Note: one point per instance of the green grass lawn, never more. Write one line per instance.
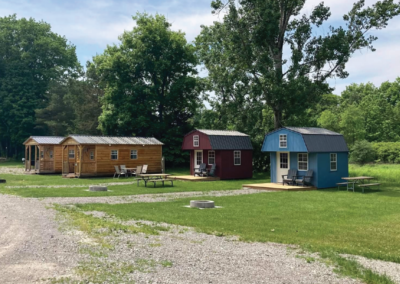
(17, 164)
(345, 222)
(115, 190)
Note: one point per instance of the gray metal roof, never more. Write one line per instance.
(113, 140)
(230, 142)
(312, 130)
(222, 132)
(46, 139)
(325, 143)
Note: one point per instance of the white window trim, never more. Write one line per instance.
(136, 154)
(112, 155)
(283, 135)
(196, 138)
(330, 162)
(298, 162)
(240, 157)
(209, 157)
(69, 157)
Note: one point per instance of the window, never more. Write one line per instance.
(211, 157)
(41, 154)
(133, 154)
(199, 157)
(333, 162)
(302, 159)
(196, 141)
(283, 141)
(71, 154)
(283, 160)
(237, 158)
(51, 154)
(114, 154)
(91, 155)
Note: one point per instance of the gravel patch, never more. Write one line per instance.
(69, 186)
(391, 269)
(162, 197)
(182, 255)
(31, 246)
(12, 170)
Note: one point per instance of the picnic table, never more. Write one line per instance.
(153, 178)
(359, 181)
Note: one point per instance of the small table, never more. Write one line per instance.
(357, 180)
(147, 177)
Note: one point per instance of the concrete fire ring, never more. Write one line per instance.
(97, 188)
(202, 204)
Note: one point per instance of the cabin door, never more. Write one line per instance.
(198, 158)
(282, 165)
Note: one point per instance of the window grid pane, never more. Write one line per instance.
(283, 160)
(133, 154)
(237, 158)
(114, 154)
(196, 141)
(91, 155)
(199, 158)
(283, 141)
(211, 157)
(71, 154)
(303, 162)
(333, 162)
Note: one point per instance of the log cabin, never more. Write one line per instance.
(230, 151)
(43, 154)
(84, 156)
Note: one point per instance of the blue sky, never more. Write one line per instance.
(92, 24)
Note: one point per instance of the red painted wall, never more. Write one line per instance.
(187, 143)
(230, 171)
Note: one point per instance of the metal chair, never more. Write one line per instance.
(125, 171)
(118, 172)
(304, 180)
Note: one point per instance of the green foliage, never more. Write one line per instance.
(362, 152)
(387, 152)
(31, 56)
(150, 84)
(352, 124)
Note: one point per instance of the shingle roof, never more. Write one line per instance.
(83, 139)
(312, 130)
(46, 139)
(222, 132)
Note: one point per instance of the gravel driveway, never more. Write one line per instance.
(31, 246)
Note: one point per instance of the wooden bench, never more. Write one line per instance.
(368, 185)
(154, 181)
(347, 183)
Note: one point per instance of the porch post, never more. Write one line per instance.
(35, 156)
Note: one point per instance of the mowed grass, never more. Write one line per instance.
(338, 221)
(14, 164)
(114, 190)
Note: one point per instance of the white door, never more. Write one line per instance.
(282, 165)
(198, 158)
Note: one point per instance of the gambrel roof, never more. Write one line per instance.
(227, 139)
(114, 140)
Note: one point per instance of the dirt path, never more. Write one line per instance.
(31, 246)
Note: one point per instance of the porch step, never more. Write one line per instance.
(69, 176)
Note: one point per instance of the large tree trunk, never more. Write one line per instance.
(277, 119)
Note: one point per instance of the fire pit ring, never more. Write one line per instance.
(97, 188)
(202, 204)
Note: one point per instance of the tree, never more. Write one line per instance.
(362, 152)
(31, 56)
(352, 124)
(245, 57)
(329, 120)
(150, 84)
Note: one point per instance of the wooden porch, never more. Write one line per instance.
(278, 186)
(193, 178)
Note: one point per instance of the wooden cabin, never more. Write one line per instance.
(97, 155)
(308, 148)
(43, 154)
(231, 151)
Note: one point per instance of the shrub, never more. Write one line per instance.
(362, 152)
(387, 152)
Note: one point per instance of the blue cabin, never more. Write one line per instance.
(308, 148)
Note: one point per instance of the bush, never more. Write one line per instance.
(387, 152)
(362, 152)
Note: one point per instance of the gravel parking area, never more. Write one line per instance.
(147, 197)
(12, 170)
(31, 246)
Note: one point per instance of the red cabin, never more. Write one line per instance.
(231, 151)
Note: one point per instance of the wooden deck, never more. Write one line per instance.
(192, 178)
(278, 186)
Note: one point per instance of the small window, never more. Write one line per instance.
(237, 158)
(91, 155)
(211, 157)
(283, 160)
(51, 154)
(302, 159)
(114, 154)
(133, 154)
(196, 141)
(71, 154)
(41, 154)
(283, 141)
(333, 162)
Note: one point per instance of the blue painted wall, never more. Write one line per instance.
(273, 166)
(295, 142)
(328, 178)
